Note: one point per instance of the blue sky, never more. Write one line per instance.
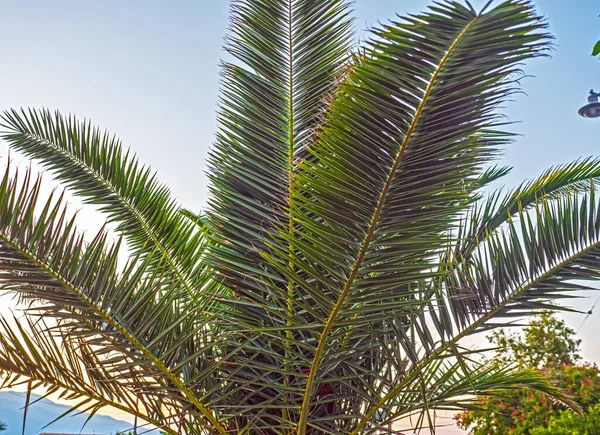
(147, 70)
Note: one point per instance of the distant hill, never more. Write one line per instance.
(44, 411)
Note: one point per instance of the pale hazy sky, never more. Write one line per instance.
(147, 70)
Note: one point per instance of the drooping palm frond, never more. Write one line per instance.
(499, 207)
(127, 192)
(445, 385)
(31, 353)
(490, 213)
(128, 313)
(541, 256)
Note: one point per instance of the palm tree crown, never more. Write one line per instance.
(351, 243)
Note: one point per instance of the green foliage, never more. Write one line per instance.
(596, 50)
(570, 423)
(519, 412)
(349, 246)
(547, 344)
(2, 426)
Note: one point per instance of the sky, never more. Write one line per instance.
(148, 71)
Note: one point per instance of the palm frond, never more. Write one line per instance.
(31, 352)
(542, 256)
(289, 56)
(94, 165)
(495, 210)
(449, 385)
(377, 200)
(486, 215)
(130, 312)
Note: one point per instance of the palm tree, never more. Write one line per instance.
(352, 240)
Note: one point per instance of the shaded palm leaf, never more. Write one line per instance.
(289, 56)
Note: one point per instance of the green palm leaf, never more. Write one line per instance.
(126, 191)
(553, 252)
(447, 385)
(290, 55)
(413, 121)
(348, 250)
(542, 256)
(497, 209)
(129, 312)
(489, 214)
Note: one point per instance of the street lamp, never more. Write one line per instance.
(592, 109)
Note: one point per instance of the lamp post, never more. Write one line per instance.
(592, 109)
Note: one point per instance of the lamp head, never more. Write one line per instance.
(592, 109)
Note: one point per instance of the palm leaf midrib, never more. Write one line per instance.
(290, 170)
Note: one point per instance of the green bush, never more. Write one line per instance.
(570, 423)
(548, 345)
